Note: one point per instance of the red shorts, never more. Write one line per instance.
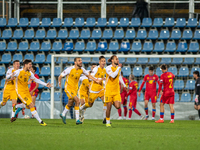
(153, 97)
(133, 102)
(167, 99)
(123, 100)
(35, 94)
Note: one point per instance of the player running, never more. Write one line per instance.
(133, 86)
(150, 93)
(124, 101)
(9, 88)
(166, 79)
(73, 74)
(21, 77)
(197, 91)
(112, 89)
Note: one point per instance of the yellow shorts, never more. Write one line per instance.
(83, 95)
(9, 94)
(94, 96)
(71, 93)
(25, 98)
(112, 98)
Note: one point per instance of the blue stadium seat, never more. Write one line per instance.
(177, 61)
(48, 60)
(2, 83)
(29, 34)
(2, 71)
(182, 47)
(68, 46)
(90, 22)
(180, 22)
(45, 46)
(136, 46)
(176, 34)
(147, 47)
(141, 98)
(86, 60)
(23, 22)
(131, 61)
(35, 22)
(188, 61)
(119, 34)
(71, 60)
(101, 22)
(17, 56)
(7, 34)
(113, 46)
(57, 46)
(95, 60)
(107, 34)
(113, 22)
(96, 34)
(45, 71)
(12, 22)
(194, 96)
(73, 34)
(49, 81)
(124, 47)
(193, 47)
(124, 22)
(187, 34)
(169, 22)
(190, 85)
(51, 34)
(157, 22)
(144, 87)
(79, 22)
(102, 47)
(79, 46)
(57, 22)
(197, 62)
(62, 34)
(176, 98)
(2, 22)
(18, 34)
(2, 46)
(159, 47)
(196, 35)
(34, 46)
(137, 71)
(126, 71)
(46, 22)
(40, 58)
(135, 22)
(146, 71)
(91, 46)
(65, 60)
(158, 71)
(57, 96)
(170, 47)
(194, 69)
(173, 70)
(40, 34)
(45, 96)
(142, 61)
(146, 22)
(165, 61)
(121, 60)
(85, 34)
(6, 58)
(12, 46)
(153, 34)
(57, 70)
(178, 85)
(141, 34)
(183, 72)
(68, 22)
(130, 34)
(164, 34)
(23, 46)
(153, 61)
(192, 22)
(186, 97)
(29, 56)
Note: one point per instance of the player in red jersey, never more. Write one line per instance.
(123, 94)
(166, 79)
(150, 92)
(133, 86)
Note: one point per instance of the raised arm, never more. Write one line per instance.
(39, 81)
(111, 73)
(11, 76)
(90, 76)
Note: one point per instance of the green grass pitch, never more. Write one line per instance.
(124, 135)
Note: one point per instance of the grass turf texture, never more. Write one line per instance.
(124, 134)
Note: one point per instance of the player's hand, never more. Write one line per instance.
(49, 85)
(161, 92)
(120, 65)
(31, 92)
(126, 98)
(104, 79)
(139, 94)
(98, 81)
(12, 75)
(126, 89)
(29, 82)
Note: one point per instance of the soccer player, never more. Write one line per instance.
(197, 91)
(133, 86)
(73, 74)
(112, 89)
(9, 88)
(150, 79)
(97, 90)
(166, 79)
(21, 77)
(124, 101)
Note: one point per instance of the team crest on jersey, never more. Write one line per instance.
(83, 83)
(76, 78)
(98, 74)
(72, 75)
(20, 76)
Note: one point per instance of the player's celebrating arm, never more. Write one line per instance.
(197, 92)
(150, 92)
(166, 79)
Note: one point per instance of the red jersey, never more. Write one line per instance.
(150, 83)
(126, 81)
(166, 79)
(133, 86)
(33, 84)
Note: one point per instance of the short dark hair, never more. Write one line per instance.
(34, 68)
(151, 68)
(121, 73)
(26, 61)
(15, 61)
(76, 58)
(93, 64)
(111, 58)
(101, 57)
(163, 67)
(196, 72)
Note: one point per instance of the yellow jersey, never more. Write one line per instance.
(10, 85)
(85, 84)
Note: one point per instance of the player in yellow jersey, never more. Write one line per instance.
(73, 74)
(97, 90)
(112, 89)
(21, 77)
(9, 88)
